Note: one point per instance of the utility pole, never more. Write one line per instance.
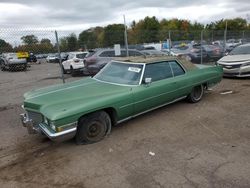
(225, 37)
(201, 46)
(60, 58)
(169, 42)
(125, 36)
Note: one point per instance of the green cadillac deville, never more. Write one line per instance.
(87, 109)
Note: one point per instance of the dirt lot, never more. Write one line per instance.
(195, 145)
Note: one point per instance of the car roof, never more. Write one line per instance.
(140, 59)
(78, 52)
(245, 45)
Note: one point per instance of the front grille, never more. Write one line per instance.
(35, 116)
(231, 66)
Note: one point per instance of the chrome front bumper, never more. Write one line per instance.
(42, 128)
(28, 123)
(58, 136)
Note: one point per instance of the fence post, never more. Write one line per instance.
(169, 42)
(125, 36)
(201, 46)
(225, 37)
(60, 58)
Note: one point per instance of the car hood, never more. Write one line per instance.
(56, 101)
(235, 58)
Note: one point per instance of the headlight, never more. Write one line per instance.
(50, 123)
(52, 126)
(245, 64)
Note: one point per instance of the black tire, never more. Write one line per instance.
(64, 71)
(2, 66)
(72, 71)
(24, 68)
(93, 128)
(196, 94)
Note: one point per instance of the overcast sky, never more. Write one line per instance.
(82, 14)
(77, 15)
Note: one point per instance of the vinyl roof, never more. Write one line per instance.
(144, 59)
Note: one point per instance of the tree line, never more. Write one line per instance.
(147, 30)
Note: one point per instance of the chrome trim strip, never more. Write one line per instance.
(124, 106)
(130, 117)
(142, 74)
(55, 135)
(69, 124)
(115, 83)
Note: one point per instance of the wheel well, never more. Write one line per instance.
(205, 85)
(112, 114)
(110, 111)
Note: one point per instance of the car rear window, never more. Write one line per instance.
(176, 68)
(81, 56)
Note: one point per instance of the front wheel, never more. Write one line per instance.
(93, 127)
(196, 94)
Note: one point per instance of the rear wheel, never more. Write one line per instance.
(196, 94)
(72, 71)
(64, 71)
(93, 127)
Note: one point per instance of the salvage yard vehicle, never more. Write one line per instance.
(10, 61)
(74, 62)
(87, 109)
(96, 60)
(237, 62)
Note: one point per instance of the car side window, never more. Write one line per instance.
(134, 53)
(109, 53)
(158, 71)
(176, 68)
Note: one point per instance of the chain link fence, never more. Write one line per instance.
(37, 53)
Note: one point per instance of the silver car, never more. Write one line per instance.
(10, 61)
(237, 62)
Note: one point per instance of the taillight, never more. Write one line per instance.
(194, 50)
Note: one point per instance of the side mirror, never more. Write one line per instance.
(147, 81)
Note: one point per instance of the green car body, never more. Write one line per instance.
(56, 110)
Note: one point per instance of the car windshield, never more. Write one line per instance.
(81, 56)
(12, 56)
(240, 50)
(121, 73)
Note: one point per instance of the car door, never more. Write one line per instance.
(66, 63)
(160, 91)
(182, 80)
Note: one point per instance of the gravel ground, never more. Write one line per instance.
(182, 145)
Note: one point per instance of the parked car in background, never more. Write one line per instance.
(96, 60)
(10, 61)
(52, 58)
(193, 52)
(74, 62)
(237, 62)
(180, 49)
(153, 52)
(55, 58)
(87, 109)
(209, 53)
